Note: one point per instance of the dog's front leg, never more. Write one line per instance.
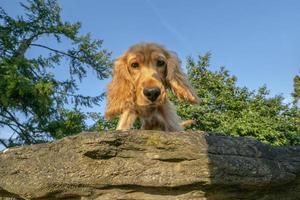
(126, 120)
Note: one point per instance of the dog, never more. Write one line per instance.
(141, 78)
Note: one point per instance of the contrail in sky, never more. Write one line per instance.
(181, 39)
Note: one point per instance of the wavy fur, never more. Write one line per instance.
(125, 92)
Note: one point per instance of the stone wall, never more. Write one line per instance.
(150, 165)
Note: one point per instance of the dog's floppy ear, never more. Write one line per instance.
(178, 81)
(120, 93)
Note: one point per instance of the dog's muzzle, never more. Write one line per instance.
(152, 93)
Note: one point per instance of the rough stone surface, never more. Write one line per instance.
(150, 165)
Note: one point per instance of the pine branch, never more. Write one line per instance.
(56, 51)
(3, 143)
(26, 136)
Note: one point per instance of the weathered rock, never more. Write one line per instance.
(151, 165)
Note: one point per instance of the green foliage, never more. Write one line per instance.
(237, 111)
(233, 110)
(33, 102)
(101, 124)
(68, 123)
(296, 93)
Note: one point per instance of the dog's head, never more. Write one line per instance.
(141, 77)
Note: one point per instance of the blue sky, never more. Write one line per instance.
(257, 41)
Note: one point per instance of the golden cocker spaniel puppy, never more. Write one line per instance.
(141, 77)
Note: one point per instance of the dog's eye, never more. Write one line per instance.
(135, 65)
(160, 63)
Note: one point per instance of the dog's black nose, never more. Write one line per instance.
(152, 93)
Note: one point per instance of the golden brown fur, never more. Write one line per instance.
(147, 65)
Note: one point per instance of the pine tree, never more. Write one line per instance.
(35, 104)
